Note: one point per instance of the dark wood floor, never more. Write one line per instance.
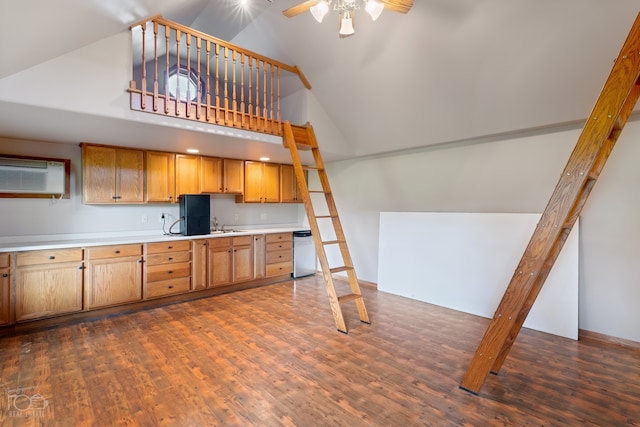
(272, 356)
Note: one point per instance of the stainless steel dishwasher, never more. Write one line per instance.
(304, 254)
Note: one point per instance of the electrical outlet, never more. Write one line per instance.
(144, 219)
(263, 217)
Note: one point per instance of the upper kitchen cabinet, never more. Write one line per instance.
(112, 175)
(187, 174)
(262, 182)
(289, 189)
(221, 175)
(161, 177)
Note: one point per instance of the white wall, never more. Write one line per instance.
(514, 175)
(33, 217)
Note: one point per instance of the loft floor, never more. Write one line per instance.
(271, 356)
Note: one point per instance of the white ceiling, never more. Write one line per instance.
(450, 70)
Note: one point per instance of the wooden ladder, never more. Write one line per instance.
(303, 138)
(601, 131)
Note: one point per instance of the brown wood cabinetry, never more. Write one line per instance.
(112, 175)
(230, 260)
(161, 177)
(187, 174)
(259, 256)
(5, 284)
(289, 190)
(168, 268)
(48, 283)
(279, 254)
(199, 265)
(262, 182)
(233, 175)
(114, 275)
(221, 175)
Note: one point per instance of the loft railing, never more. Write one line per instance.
(181, 72)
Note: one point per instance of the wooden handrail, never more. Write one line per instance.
(231, 86)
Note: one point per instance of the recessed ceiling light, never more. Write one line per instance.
(193, 150)
(264, 159)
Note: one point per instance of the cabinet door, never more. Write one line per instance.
(48, 290)
(98, 174)
(259, 256)
(199, 277)
(287, 184)
(113, 281)
(4, 296)
(220, 261)
(271, 182)
(161, 177)
(233, 173)
(187, 174)
(242, 263)
(252, 182)
(129, 176)
(211, 175)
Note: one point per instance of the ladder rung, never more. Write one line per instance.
(325, 216)
(333, 242)
(316, 191)
(310, 168)
(339, 269)
(349, 297)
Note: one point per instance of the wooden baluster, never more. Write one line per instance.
(143, 103)
(234, 104)
(218, 120)
(279, 118)
(188, 90)
(264, 94)
(208, 81)
(271, 104)
(167, 35)
(155, 66)
(178, 94)
(199, 94)
(257, 94)
(251, 92)
(242, 106)
(226, 88)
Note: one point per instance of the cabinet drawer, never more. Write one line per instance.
(280, 268)
(4, 260)
(159, 247)
(49, 256)
(168, 271)
(277, 246)
(168, 258)
(113, 251)
(279, 237)
(168, 287)
(242, 240)
(274, 257)
(221, 242)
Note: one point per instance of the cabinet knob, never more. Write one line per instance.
(170, 258)
(170, 287)
(5, 275)
(170, 247)
(170, 272)
(52, 257)
(117, 252)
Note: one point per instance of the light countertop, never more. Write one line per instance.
(59, 241)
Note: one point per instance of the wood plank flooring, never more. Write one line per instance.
(271, 357)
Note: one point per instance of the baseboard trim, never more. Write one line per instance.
(585, 335)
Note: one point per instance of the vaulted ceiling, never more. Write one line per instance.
(450, 70)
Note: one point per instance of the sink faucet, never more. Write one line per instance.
(215, 224)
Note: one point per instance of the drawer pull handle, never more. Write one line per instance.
(170, 272)
(170, 286)
(117, 252)
(170, 247)
(52, 257)
(5, 275)
(170, 258)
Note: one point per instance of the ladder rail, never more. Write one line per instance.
(610, 113)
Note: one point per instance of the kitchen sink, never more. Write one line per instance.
(226, 231)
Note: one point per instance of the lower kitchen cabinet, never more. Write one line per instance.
(114, 275)
(230, 260)
(5, 283)
(259, 256)
(279, 254)
(199, 265)
(48, 283)
(168, 268)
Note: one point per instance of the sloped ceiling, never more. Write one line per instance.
(450, 70)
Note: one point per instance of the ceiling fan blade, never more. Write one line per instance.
(402, 6)
(299, 8)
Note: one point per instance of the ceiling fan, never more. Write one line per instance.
(346, 10)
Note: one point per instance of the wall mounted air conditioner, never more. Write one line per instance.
(32, 176)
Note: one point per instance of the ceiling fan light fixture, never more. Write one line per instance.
(374, 8)
(320, 10)
(346, 24)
